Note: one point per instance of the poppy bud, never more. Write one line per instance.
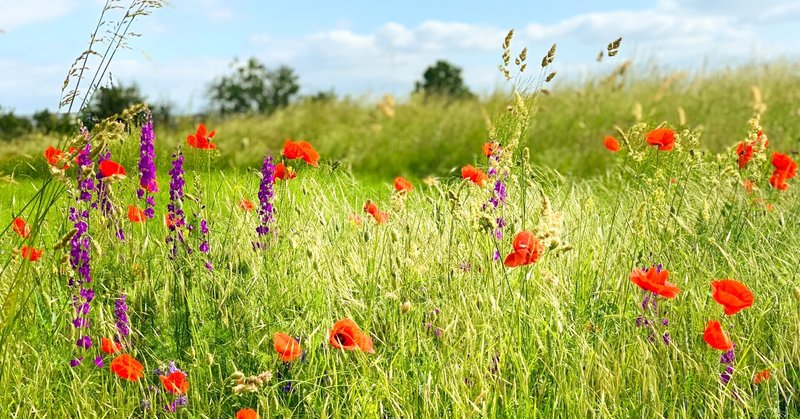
(406, 307)
(797, 293)
(366, 235)
(395, 235)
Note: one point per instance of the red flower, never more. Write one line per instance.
(54, 156)
(111, 169)
(300, 150)
(745, 152)
(108, 346)
(246, 414)
(664, 138)
(761, 376)
(527, 250)
(127, 367)
(169, 221)
(175, 382)
(611, 144)
(287, 347)
(31, 253)
(490, 148)
(246, 205)
(284, 173)
(346, 335)
(402, 184)
(654, 281)
(475, 175)
(716, 338)
(21, 227)
(732, 295)
(355, 219)
(749, 185)
(372, 209)
(785, 169)
(201, 139)
(136, 214)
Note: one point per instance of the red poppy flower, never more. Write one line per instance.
(201, 139)
(474, 174)
(716, 338)
(402, 184)
(785, 169)
(31, 253)
(749, 185)
(111, 169)
(745, 152)
(284, 173)
(127, 367)
(246, 205)
(136, 214)
(21, 227)
(490, 148)
(654, 281)
(761, 377)
(300, 150)
(611, 144)
(246, 414)
(169, 220)
(287, 347)
(108, 346)
(54, 156)
(372, 209)
(345, 334)
(732, 295)
(175, 382)
(664, 138)
(527, 250)
(151, 186)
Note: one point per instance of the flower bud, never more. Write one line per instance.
(405, 307)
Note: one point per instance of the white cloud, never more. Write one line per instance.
(15, 13)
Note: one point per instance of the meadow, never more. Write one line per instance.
(583, 326)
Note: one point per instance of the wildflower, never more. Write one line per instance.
(31, 253)
(112, 170)
(490, 148)
(402, 184)
(174, 405)
(21, 227)
(655, 281)
(284, 173)
(246, 205)
(345, 334)
(175, 216)
(127, 368)
(475, 175)
(611, 144)
(372, 209)
(300, 150)
(79, 257)
(785, 169)
(266, 195)
(744, 151)
(749, 186)
(664, 138)
(147, 167)
(716, 338)
(355, 219)
(246, 414)
(135, 214)
(121, 316)
(108, 346)
(761, 376)
(732, 295)
(527, 250)
(55, 157)
(98, 361)
(175, 382)
(287, 347)
(201, 139)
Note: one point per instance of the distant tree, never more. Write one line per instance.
(108, 101)
(253, 88)
(443, 79)
(52, 123)
(321, 96)
(12, 126)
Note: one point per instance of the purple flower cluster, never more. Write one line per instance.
(498, 197)
(266, 195)
(121, 317)
(176, 218)
(147, 167)
(79, 258)
(650, 308)
(728, 359)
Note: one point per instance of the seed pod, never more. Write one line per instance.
(405, 307)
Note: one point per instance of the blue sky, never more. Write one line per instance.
(369, 48)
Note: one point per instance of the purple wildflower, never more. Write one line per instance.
(266, 195)
(147, 167)
(98, 361)
(75, 362)
(177, 219)
(79, 257)
(121, 317)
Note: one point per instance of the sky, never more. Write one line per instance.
(367, 48)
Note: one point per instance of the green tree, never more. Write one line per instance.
(253, 88)
(443, 79)
(52, 123)
(108, 101)
(12, 126)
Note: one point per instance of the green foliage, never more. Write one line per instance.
(52, 123)
(443, 79)
(253, 88)
(111, 100)
(12, 126)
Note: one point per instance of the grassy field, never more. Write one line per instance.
(456, 333)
